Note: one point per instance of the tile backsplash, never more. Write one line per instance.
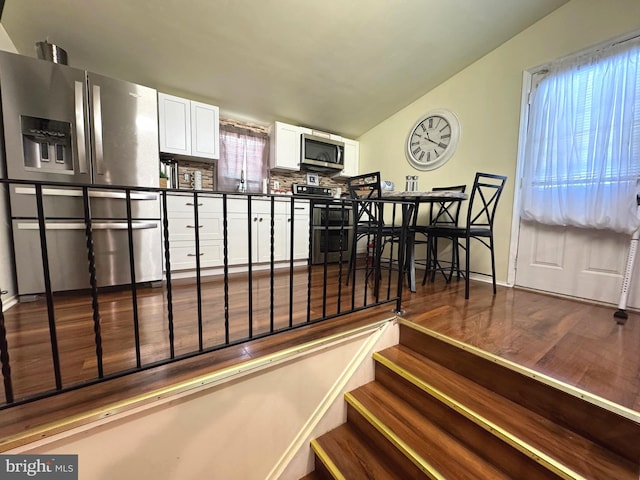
(186, 169)
(286, 179)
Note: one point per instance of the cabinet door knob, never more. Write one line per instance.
(260, 219)
(255, 219)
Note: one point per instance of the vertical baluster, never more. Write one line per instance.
(196, 234)
(134, 288)
(291, 250)
(97, 331)
(326, 258)
(167, 260)
(47, 286)
(4, 355)
(250, 256)
(354, 253)
(407, 210)
(309, 263)
(272, 264)
(341, 250)
(225, 242)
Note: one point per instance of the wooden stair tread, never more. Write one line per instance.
(312, 476)
(431, 443)
(351, 455)
(568, 448)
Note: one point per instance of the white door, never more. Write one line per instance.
(582, 263)
(579, 262)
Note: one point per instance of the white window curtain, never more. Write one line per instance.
(582, 156)
(243, 158)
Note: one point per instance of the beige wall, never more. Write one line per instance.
(255, 427)
(6, 269)
(486, 96)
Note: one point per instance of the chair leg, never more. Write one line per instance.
(427, 268)
(454, 240)
(434, 257)
(466, 268)
(493, 264)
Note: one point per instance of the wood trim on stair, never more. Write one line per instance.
(326, 460)
(406, 450)
(515, 442)
(610, 425)
(533, 374)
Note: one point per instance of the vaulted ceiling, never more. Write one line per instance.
(337, 65)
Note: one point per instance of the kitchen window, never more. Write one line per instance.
(244, 158)
(582, 153)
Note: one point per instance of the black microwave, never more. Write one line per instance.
(321, 153)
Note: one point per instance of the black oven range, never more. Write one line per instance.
(332, 224)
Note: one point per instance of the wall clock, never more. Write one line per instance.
(433, 139)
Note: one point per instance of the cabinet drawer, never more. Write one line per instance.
(182, 227)
(183, 255)
(184, 203)
(259, 205)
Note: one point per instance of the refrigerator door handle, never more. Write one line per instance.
(80, 132)
(81, 225)
(97, 130)
(62, 192)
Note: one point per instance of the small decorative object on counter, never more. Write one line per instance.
(411, 183)
(242, 187)
(163, 180)
(196, 180)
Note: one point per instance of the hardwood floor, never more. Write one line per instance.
(578, 343)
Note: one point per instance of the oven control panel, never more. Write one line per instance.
(311, 190)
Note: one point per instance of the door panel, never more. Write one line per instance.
(125, 131)
(571, 261)
(66, 245)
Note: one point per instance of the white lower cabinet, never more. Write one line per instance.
(182, 228)
(300, 231)
(257, 223)
(210, 227)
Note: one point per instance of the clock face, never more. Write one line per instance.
(432, 140)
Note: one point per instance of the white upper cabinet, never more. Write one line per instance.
(285, 147)
(188, 127)
(351, 158)
(175, 124)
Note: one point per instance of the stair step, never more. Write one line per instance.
(417, 379)
(610, 425)
(346, 454)
(438, 454)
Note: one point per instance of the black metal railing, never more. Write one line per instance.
(229, 294)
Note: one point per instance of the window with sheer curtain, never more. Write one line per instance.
(243, 157)
(582, 152)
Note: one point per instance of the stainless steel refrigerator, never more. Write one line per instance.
(62, 124)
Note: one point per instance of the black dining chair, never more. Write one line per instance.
(441, 214)
(486, 192)
(368, 222)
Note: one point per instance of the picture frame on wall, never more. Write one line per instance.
(313, 179)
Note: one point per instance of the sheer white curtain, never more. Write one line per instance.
(243, 154)
(582, 156)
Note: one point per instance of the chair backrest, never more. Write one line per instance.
(446, 213)
(366, 188)
(483, 202)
